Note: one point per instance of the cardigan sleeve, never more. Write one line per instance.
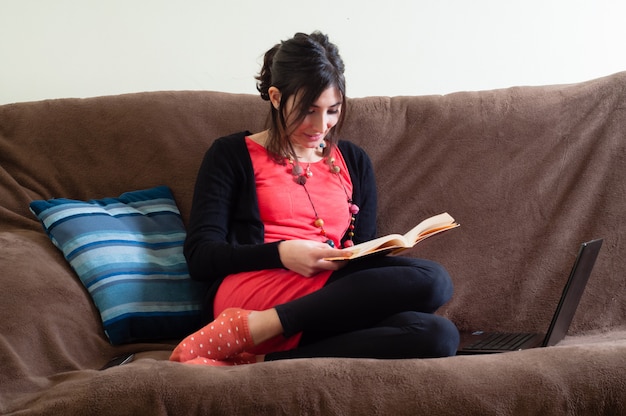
(225, 233)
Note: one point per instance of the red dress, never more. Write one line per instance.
(288, 214)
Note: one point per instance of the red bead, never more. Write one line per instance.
(348, 243)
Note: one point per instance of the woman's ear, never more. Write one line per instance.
(274, 94)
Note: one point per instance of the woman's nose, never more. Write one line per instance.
(322, 122)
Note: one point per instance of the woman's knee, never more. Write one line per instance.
(443, 338)
(444, 287)
(427, 280)
(428, 335)
(441, 287)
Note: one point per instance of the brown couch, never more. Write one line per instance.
(529, 172)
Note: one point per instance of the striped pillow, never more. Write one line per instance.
(127, 252)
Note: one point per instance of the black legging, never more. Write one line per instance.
(381, 307)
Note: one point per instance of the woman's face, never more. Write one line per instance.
(322, 116)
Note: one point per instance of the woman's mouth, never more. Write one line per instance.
(315, 137)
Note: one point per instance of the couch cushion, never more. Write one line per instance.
(127, 252)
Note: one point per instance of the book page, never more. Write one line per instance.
(388, 241)
(430, 225)
(394, 243)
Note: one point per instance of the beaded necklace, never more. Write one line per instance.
(301, 175)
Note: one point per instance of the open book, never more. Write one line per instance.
(394, 243)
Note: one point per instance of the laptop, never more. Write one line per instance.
(479, 342)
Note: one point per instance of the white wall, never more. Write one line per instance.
(81, 48)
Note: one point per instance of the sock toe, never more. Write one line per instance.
(226, 336)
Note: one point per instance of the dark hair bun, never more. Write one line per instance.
(305, 61)
(264, 79)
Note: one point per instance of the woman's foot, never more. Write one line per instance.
(227, 336)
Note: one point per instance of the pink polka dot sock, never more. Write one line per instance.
(226, 336)
(239, 359)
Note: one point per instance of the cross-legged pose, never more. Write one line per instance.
(270, 207)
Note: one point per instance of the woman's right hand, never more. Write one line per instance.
(307, 257)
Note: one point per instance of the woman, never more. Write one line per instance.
(270, 207)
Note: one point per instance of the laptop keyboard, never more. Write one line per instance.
(498, 341)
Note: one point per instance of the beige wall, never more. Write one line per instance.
(80, 48)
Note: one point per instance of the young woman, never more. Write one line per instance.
(270, 207)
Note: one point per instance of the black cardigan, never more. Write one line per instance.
(225, 234)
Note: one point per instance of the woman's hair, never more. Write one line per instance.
(302, 67)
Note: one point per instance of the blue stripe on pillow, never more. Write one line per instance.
(145, 310)
(101, 255)
(127, 252)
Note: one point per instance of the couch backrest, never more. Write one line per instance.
(529, 172)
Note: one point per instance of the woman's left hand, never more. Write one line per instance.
(307, 257)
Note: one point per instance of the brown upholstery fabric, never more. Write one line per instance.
(529, 172)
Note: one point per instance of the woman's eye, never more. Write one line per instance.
(329, 111)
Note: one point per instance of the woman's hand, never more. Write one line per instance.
(307, 257)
